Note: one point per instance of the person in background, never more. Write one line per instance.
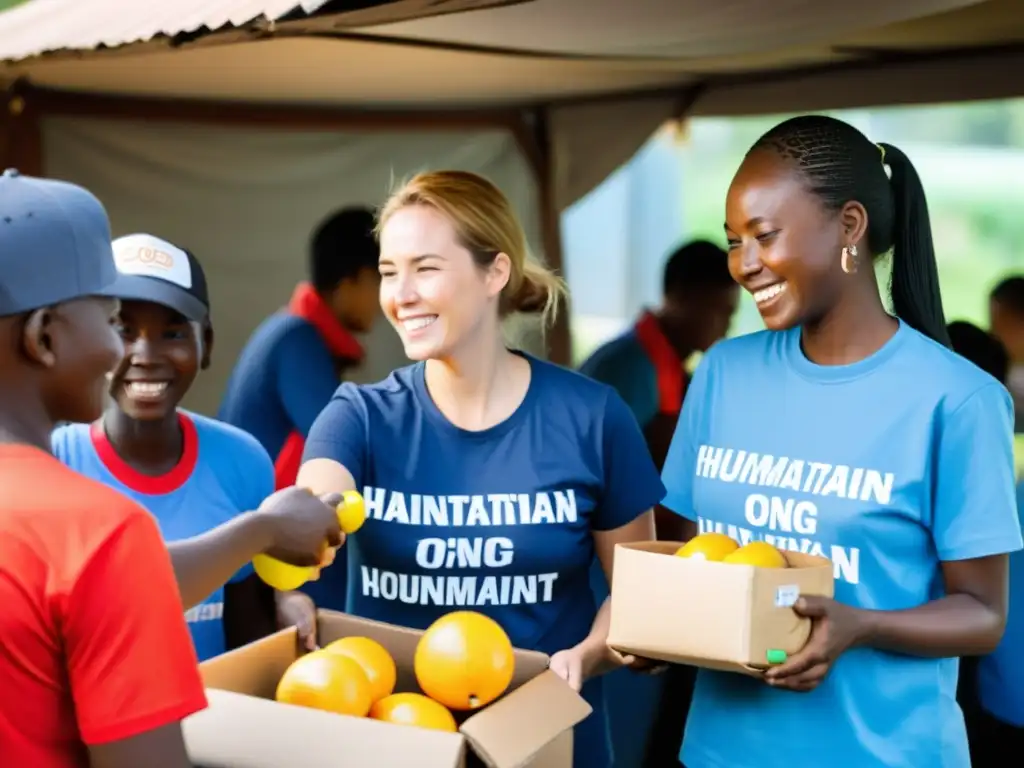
(193, 473)
(546, 467)
(96, 663)
(1006, 321)
(294, 361)
(992, 686)
(898, 450)
(646, 366)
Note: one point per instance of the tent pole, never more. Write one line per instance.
(534, 138)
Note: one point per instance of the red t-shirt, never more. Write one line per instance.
(93, 642)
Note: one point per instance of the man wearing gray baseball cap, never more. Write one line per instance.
(98, 668)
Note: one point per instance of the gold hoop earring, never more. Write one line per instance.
(848, 261)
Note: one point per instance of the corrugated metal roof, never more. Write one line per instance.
(41, 26)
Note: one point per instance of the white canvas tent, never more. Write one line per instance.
(232, 126)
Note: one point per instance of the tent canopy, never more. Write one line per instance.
(578, 85)
(497, 53)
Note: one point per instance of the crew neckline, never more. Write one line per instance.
(833, 374)
(151, 485)
(434, 413)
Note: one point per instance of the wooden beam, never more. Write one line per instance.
(49, 102)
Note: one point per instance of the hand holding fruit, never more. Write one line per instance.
(835, 627)
(301, 526)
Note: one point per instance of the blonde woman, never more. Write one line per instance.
(491, 477)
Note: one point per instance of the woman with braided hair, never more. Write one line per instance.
(856, 433)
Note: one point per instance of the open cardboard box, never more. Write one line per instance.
(245, 728)
(708, 614)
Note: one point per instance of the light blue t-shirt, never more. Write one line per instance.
(1001, 673)
(499, 521)
(887, 466)
(222, 473)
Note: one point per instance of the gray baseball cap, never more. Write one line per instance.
(54, 243)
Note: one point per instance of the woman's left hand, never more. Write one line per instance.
(835, 627)
(569, 665)
(576, 665)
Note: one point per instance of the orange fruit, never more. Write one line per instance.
(760, 554)
(327, 681)
(373, 658)
(414, 709)
(708, 546)
(464, 660)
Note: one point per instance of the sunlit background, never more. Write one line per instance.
(970, 158)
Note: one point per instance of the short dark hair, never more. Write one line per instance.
(839, 164)
(342, 246)
(1010, 293)
(981, 348)
(696, 264)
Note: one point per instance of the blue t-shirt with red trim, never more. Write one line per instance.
(624, 364)
(499, 521)
(222, 473)
(283, 378)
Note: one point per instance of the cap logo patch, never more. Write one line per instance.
(150, 256)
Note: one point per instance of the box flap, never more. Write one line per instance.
(239, 731)
(254, 669)
(512, 730)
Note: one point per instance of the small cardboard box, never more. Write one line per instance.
(708, 614)
(245, 728)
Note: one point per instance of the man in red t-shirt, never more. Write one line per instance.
(97, 667)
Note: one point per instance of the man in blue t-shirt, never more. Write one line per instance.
(646, 365)
(992, 687)
(295, 359)
(192, 473)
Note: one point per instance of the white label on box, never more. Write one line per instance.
(786, 595)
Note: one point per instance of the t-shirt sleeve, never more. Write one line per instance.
(631, 482)
(341, 433)
(306, 378)
(634, 381)
(131, 664)
(975, 506)
(681, 461)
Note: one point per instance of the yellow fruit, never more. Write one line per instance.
(281, 576)
(708, 546)
(375, 660)
(414, 709)
(760, 554)
(464, 660)
(351, 512)
(327, 681)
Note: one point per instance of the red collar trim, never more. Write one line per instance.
(148, 484)
(307, 304)
(668, 366)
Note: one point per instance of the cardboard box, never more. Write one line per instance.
(709, 614)
(245, 728)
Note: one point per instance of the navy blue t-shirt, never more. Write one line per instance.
(283, 378)
(499, 521)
